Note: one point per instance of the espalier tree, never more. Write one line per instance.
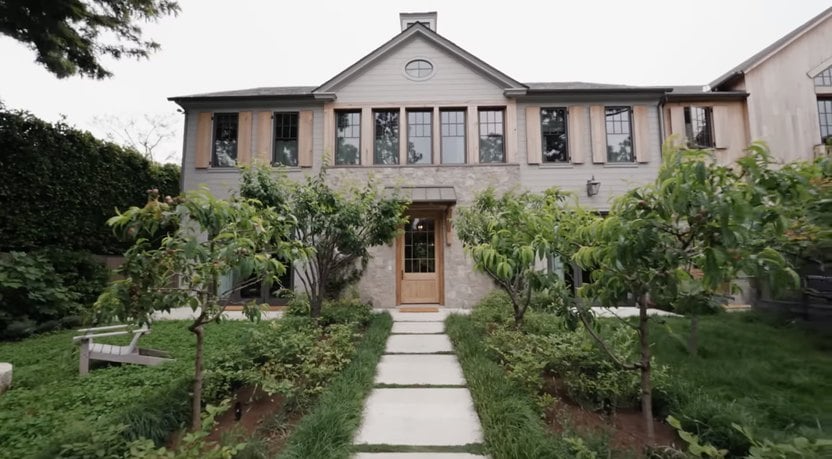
(204, 239)
(677, 243)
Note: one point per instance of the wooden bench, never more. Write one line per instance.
(131, 353)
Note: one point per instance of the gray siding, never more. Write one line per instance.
(615, 178)
(385, 82)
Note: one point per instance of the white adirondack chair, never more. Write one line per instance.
(112, 353)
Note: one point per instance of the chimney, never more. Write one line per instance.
(426, 19)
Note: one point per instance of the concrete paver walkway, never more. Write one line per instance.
(430, 407)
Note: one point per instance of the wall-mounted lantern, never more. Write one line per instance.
(592, 186)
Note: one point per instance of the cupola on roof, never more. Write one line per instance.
(427, 19)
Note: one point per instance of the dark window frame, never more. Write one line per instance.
(693, 124)
(824, 78)
(455, 125)
(617, 122)
(394, 155)
(502, 122)
(823, 115)
(282, 130)
(429, 125)
(543, 144)
(215, 119)
(353, 127)
(420, 72)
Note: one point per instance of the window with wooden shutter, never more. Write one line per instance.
(263, 139)
(204, 135)
(244, 138)
(533, 135)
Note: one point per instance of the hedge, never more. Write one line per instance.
(59, 185)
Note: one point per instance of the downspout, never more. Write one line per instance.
(184, 149)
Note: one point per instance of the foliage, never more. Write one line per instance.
(328, 430)
(66, 184)
(345, 310)
(211, 239)
(33, 296)
(752, 371)
(194, 445)
(71, 37)
(795, 448)
(340, 225)
(507, 235)
(50, 406)
(509, 414)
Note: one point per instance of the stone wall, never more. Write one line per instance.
(463, 287)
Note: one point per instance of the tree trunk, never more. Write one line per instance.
(646, 387)
(196, 406)
(693, 337)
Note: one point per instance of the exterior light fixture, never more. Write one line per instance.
(592, 186)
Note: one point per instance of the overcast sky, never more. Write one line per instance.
(218, 45)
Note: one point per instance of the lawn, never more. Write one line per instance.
(49, 401)
(753, 370)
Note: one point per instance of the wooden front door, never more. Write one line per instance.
(419, 259)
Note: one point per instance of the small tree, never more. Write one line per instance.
(678, 241)
(508, 236)
(207, 239)
(340, 226)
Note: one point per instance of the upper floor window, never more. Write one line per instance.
(699, 126)
(224, 151)
(285, 139)
(619, 125)
(418, 69)
(824, 78)
(419, 137)
(452, 134)
(386, 149)
(553, 133)
(825, 115)
(347, 138)
(492, 145)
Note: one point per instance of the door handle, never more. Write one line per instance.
(402, 274)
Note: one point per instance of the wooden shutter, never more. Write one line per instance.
(677, 123)
(533, 140)
(576, 128)
(263, 140)
(598, 129)
(305, 138)
(244, 138)
(642, 140)
(204, 136)
(720, 119)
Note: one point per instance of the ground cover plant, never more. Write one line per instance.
(761, 374)
(49, 404)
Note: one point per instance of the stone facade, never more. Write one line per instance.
(463, 286)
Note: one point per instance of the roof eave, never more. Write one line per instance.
(706, 96)
(287, 97)
(546, 92)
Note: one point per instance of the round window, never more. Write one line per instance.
(418, 69)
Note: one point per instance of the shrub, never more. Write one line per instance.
(346, 311)
(79, 271)
(33, 297)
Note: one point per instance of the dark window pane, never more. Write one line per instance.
(419, 137)
(452, 123)
(699, 127)
(619, 135)
(419, 257)
(347, 138)
(285, 139)
(492, 148)
(386, 145)
(553, 132)
(225, 140)
(825, 115)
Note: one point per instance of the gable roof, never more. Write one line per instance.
(419, 29)
(769, 51)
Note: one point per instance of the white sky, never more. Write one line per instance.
(216, 45)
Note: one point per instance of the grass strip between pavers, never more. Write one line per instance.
(471, 448)
(328, 430)
(511, 425)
